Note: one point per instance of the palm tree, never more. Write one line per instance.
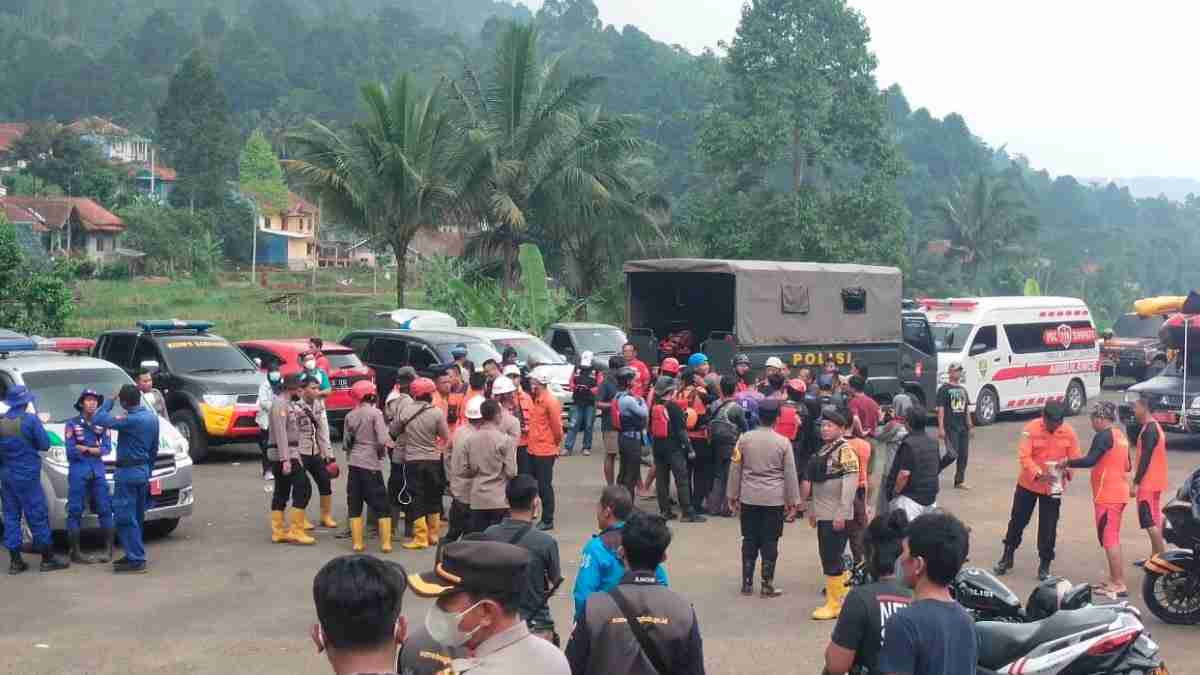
(984, 219)
(388, 174)
(542, 157)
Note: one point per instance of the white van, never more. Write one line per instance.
(1018, 352)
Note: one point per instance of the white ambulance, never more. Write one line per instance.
(1017, 353)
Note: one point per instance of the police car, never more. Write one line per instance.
(57, 379)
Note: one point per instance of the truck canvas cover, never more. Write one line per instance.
(782, 303)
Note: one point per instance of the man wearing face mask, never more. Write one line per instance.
(477, 586)
(773, 386)
(359, 625)
(267, 391)
(290, 481)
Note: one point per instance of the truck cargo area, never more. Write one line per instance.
(669, 302)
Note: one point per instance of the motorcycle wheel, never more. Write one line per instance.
(1174, 598)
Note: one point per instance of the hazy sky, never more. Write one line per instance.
(1084, 88)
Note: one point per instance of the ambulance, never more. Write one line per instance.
(1017, 353)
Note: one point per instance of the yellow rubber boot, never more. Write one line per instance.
(356, 534)
(327, 511)
(278, 531)
(420, 538)
(296, 534)
(307, 524)
(435, 528)
(835, 593)
(385, 535)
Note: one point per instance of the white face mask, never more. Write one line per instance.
(311, 365)
(443, 626)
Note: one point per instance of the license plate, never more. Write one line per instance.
(341, 383)
(1166, 417)
(821, 358)
(155, 488)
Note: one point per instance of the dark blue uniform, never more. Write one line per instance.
(137, 448)
(22, 439)
(86, 478)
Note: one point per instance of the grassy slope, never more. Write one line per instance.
(239, 310)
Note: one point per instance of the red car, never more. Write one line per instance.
(344, 368)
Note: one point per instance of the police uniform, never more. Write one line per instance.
(86, 478)
(365, 437)
(284, 449)
(491, 567)
(137, 449)
(22, 440)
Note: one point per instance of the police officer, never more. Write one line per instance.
(87, 443)
(22, 439)
(137, 448)
(315, 455)
(425, 433)
(366, 440)
(765, 488)
(290, 481)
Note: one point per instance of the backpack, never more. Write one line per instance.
(660, 422)
(749, 401)
(722, 431)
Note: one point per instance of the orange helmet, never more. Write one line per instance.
(669, 365)
(422, 386)
(363, 389)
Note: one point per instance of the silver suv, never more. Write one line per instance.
(57, 379)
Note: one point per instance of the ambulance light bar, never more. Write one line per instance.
(949, 303)
(169, 325)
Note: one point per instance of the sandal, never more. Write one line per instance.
(1106, 590)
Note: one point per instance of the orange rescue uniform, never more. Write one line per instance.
(1038, 447)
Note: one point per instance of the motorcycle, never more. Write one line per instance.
(1171, 587)
(986, 598)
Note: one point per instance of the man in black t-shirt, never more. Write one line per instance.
(954, 421)
(858, 635)
(934, 635)
(609, 434)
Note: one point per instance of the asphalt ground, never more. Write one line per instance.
(221, 598)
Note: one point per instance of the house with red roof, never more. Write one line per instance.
(289, 239)
(75, 226)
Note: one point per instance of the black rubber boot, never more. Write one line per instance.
(1044, 570)
(768, 580)
(51, 563)
(18, 563)
(77, 555)
(748, 574)
(110, 538)
(1006, 562)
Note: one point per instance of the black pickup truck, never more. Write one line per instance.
(807, 314)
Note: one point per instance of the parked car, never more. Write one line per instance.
(572, 339)
(1133, 348)
(345, 368)
(386, 350)
(211, 386)
(57, 379)
(529, 348)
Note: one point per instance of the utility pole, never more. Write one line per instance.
(253, 241)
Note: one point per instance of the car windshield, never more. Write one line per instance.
(950, 337)
(343, 360)
(599, 340)
(529, 348)
(57, 390)
(1133, 326)
(204, 355)
(477, 352)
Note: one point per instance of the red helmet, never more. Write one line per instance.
(363, 389)
(669, 365)
(332, 469)
(797, 385)
(422, 386)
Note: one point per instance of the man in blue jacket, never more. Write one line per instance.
(22, 440)
(137, 448)
(600, 569)
(87, 444)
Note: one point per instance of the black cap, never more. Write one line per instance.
(1054, 411)
(293, 381)
(474, 566)
(834, 416)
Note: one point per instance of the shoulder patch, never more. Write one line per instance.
(737, 454)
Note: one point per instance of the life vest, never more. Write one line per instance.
(627, 423)
(660, 422)
(788, 424)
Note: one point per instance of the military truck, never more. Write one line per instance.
(807, 314)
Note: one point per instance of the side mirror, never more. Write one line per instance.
(1107, 335)
(978, 348)
(151, 366)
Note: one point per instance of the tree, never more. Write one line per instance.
(260, 176)
(984, 219)
(34, 300)
(214, 24)
(160, 42)
(540, 154)
(195, 134)
(388, 175)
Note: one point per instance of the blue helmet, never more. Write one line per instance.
(88, 393)
(696, 360)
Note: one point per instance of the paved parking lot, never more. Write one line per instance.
(220, 598)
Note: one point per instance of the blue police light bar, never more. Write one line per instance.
(14, 342)
(174, 324)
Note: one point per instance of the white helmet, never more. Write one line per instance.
(585, 360)
(502, 385)
(475, 408)
(775, 362)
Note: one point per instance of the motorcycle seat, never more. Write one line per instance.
(1003, 643)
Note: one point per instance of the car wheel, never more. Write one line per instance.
(987, 406)
(157, 529)
(1076, 398)
(190, 428)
